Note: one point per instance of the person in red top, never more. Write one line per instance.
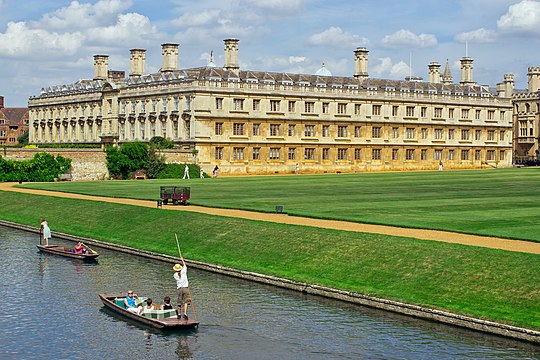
(79, 248)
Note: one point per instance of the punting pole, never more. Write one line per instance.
(189, 291)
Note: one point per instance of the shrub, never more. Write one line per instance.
(159, 142)
(42, 167)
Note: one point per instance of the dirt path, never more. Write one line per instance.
(445, 236)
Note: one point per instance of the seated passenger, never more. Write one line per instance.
(166, 304)
(129, 302)
(148, 307)
(79, 248)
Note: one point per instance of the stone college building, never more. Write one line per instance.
(258, 122)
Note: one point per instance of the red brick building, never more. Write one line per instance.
(13, 123)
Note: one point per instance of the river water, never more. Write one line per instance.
(50, 310)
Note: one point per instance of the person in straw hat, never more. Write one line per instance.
(182, 285)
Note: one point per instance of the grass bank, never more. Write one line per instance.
(484, 283)
(502, 203)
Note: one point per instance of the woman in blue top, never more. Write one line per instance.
(129, 302)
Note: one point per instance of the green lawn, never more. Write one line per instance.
(485, 283)
(500, 202)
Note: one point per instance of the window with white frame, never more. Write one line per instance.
(409, 111)
(219, 153)
(256, 153)
(464, 154)
(325, 153)
(325, 107)
(309, 106)
(423, 154)
(357, 154)
(219, 103)
(437, 154)
(502, 155)
(477, 114)
(395, 110)
(491, 114)
(464, 134)
(292, 106)
(342, 108)
(375, 154)
(395, 154)
(464, 113)
(451, 113)
(274, 153)
(256, 129)
(477, 134)
(410, 133)
(376, 132)
(438, 134)
(491, 135)
(291, 130)
(501, 135)
(274, 105)
(218, 128)
(357, 131)
(450, 134)
(238, 104)
(395, 133)
(256, 105)
(490, 155)
(376, 109)
(437, 113)
(291, 153)
(424, 133)
(326, 131)
(357, 109)
(477, 155)
(423, 111)
(450, 154)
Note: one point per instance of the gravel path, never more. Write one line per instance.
(435, 235)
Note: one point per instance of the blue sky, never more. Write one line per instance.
(52, 42)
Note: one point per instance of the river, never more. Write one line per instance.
(50, 310)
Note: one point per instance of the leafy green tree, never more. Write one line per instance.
(42, 167)
(160, 142)
(23, 139)
(156, 163)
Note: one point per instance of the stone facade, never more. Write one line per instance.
(13, 123)
(527, 120)
(256, 122)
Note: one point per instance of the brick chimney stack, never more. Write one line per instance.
(1, 102)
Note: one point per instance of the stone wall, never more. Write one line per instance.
(88, 164)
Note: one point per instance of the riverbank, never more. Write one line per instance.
(312, 289)
(434, 276)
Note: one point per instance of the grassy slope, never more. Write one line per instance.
(500, 203)
(485, 283)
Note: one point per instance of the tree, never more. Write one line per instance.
(161, 143)
(23, 139)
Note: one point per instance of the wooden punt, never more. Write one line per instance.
(68, 252)
(169, 323)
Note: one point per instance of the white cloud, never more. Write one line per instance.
(20, 40)
(85, 15)
(521, 18)
(296, 59)
(129, 27)
(406, 38)
(197, 19)
(334, 36)
(386, 69)
(276, 5)
(477, 36)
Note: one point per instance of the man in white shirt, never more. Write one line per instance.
(182, 285)
(186, 172)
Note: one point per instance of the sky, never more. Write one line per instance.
(52, 42)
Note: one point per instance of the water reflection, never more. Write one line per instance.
(51, 303)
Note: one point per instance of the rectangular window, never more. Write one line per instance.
(376, 109)
(395, 154)
(464, 134)
(357, 154)
(342, 154)
(238, 153)
(291, 130)
(395, 110)
(437, 113)
(164, 104)
(256, 104)
(437, 154)
(309, 130)
(410, 133)
(219, 153)
(309, 154)
(423, 111)
(395, 133)
(292, 106)
(357, 109)
(424, 133)
(274, 105)
(325, 154)
(325, 107)
(490, 155)
(491, 135)
(477, 114)
(478, 134)
(238, 104)
(274, 153)
(477, 155)
(274, 129)
(409, 154)
(438, 134)
(451, 134)
(342, 131)
(219, 128)
(451, 113)
(501, 135)
(464, 113)
(523, 128)
(291, 153)
(491, 114)
(342, 108)
(410, 111)
(326, 131)
(357, 131)
(501, 115)
(464, 154)
(502, 154)
(256, 129)
(376, 132)
(450, 154)
(423, 154)
(309, 106)
(257, 153)
(238, 129)
(375, 154)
